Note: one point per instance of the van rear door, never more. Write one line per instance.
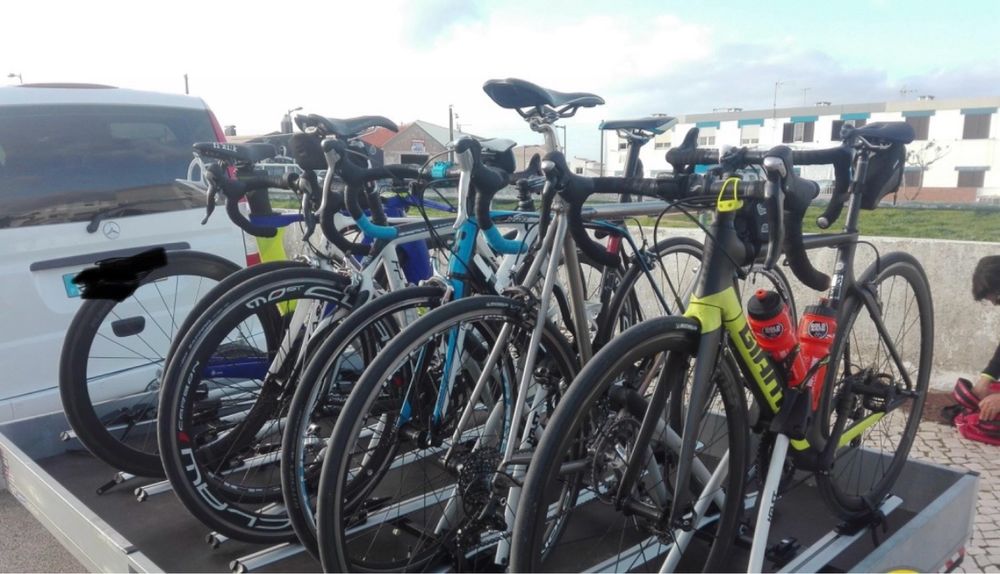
(80, 183)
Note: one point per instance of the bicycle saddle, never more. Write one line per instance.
(893, 132)
(236, 153)
(345, 128)
(512, 93)
(655, 124)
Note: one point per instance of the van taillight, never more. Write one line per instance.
(220, 135)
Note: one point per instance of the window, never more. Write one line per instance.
(579, 171)
(66, 163)
(787, 132)
(706, 136)
(749, 135)
(912, 177)
(803, 131)
(835, 131)
(921, 125)
(661, 145)
(622, 145)
(977, 126)
(971, 177)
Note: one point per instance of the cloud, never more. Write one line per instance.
(410, 61)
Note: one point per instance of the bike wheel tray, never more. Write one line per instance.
(56, 481)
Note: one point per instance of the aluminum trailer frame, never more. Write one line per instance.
(56, 482)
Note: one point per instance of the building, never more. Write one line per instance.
(955, 157)
(418, 141)
(585, 167)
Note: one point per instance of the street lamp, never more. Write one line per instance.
(286, 123)
(20, 80)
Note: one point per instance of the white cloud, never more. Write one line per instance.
(252, 60)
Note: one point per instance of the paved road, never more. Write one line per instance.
(25, 545)
(943, 445)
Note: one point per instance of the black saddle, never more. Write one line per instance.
(512, 93)
(236, 153)
(344, 128)
(655, 124)
(892, 132)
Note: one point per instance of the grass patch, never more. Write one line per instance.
(958, 224)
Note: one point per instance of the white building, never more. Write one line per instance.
(584, 166)
(962, 158)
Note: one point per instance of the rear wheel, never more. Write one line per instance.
(115, 352)
(879, 378)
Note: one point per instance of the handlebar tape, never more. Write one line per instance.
(234, 190)
(487, 181)
(800, 194)
(840, 158)
(356, 177)
(327, 224)
(575, 191)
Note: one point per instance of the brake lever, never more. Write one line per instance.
(776, 174)
(213, 192)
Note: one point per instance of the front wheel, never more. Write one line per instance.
(594, 436)
(878, 376)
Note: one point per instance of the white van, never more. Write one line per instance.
(88, 172)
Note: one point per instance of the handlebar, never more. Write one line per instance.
(787, 196)
(356, 177)
(487, 181)
(236, 189)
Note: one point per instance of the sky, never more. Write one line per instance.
(251, 61)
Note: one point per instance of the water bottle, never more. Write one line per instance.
(771, 323)
(817, 328)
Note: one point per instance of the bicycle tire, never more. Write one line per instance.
(834, 485)
(334, 506)
(86, 326)
(590, 389)
(240, 511)
(295, 478)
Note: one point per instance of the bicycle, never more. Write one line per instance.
(111, 400)
(115, 351)
(451, 391)
(220, 429)
(673, 467)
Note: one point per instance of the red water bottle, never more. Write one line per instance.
(771, 323)
(817, 328)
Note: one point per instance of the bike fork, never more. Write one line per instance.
(766, 500)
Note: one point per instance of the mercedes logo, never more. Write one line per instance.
(111, 230)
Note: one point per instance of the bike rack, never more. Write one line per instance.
(266, 557)
(930, 524)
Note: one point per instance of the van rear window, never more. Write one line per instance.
(67, 163)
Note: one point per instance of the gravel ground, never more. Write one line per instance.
(25, 545)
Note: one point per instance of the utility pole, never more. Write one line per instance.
(451, 131)
(186, 91)
(805, 91)
(602, 150)
(774, 111)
